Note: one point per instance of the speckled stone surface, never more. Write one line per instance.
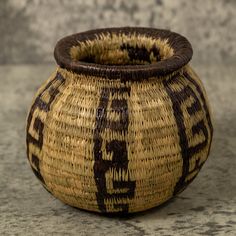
(206, 207)
(30, 28)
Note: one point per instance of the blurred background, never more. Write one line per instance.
(30, 28)
(29, 31)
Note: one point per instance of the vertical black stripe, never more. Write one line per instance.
(117, 148)
(36, 169)
(183, 142)
(100, 166)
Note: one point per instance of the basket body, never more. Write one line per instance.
(118, 146)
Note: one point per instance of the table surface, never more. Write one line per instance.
(206, 207)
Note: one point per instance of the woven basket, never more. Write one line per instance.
(123, 124)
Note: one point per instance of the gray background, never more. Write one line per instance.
(29, 30)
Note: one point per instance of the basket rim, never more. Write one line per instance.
(181, 46)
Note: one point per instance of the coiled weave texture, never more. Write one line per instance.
(118, 146)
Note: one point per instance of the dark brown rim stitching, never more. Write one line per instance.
(182, 55)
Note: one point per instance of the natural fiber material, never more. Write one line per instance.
(123, 124)
(122, 49)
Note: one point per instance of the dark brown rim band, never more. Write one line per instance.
(182, 55)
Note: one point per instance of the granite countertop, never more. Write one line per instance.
(206, 207)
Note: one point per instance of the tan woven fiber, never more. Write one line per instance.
(123, 124)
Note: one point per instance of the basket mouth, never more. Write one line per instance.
(127, 53)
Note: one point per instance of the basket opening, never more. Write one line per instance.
(126, 53)
(121, 49)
